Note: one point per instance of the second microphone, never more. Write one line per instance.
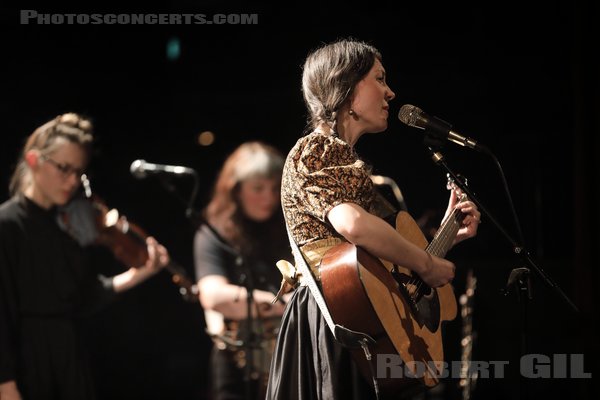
(140, 169)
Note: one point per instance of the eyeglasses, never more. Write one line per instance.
(65, 169)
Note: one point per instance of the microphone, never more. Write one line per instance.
(140, 169)
(417, 118)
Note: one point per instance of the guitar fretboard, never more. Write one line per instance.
(442, 241)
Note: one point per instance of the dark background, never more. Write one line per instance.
(522, 81)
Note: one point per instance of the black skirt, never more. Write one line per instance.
(308, 363)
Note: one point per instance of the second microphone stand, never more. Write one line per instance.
(251, 341)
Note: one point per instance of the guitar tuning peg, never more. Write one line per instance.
(450, 181)
(450, 184)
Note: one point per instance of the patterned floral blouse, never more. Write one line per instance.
(322, 171)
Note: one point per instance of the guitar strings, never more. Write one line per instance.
(441, 240)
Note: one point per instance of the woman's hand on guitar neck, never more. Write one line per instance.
(470, 223)
(438, 271)
(472, 218)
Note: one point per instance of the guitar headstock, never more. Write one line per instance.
(451, 185)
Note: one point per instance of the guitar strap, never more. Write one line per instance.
(344, 336)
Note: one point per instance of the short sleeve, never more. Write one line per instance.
(209, 255)
(321, 172)
(330, 174)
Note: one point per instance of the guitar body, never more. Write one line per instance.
(394, 307)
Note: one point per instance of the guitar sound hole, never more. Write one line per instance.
(422, 300)
(412, 285)
(408, 289)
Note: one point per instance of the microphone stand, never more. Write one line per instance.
(520, 277)
(249, 343)
(195, 219)
(518, 249)
(190, 212)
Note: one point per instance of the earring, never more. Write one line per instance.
(351, 112)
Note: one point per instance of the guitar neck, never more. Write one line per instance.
(445, 235)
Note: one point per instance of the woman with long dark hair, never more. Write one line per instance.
(235, 255)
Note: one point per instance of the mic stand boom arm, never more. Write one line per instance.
(520, 250)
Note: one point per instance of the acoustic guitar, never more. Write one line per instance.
(392, 304)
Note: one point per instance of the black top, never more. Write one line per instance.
(45, 277)
(215, 256)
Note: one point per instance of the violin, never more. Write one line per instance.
(89, 221)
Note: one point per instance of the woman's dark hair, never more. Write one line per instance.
(224, 212)
(330, 74)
